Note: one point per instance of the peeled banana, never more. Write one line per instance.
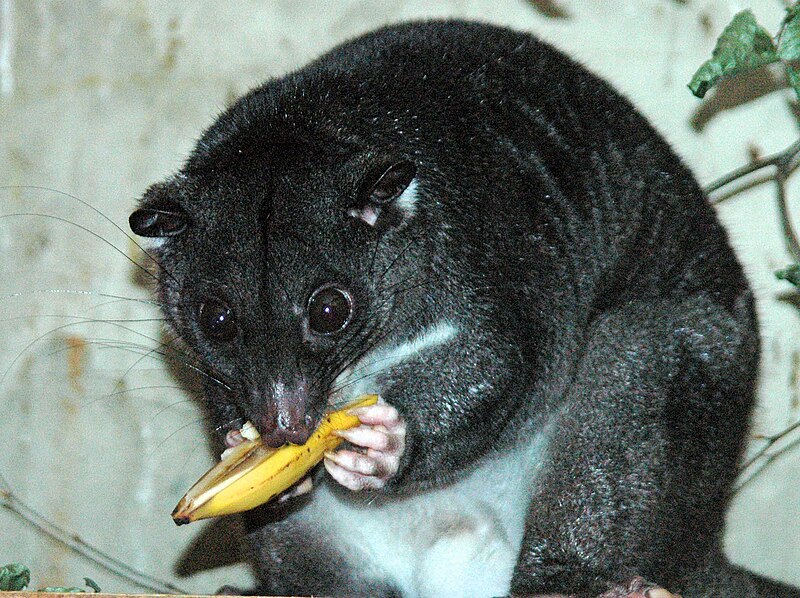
(250, 474)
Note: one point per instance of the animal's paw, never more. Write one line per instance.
(629, 591)
(377, 445)
(638, 588)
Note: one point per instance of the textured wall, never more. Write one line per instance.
(100, 98)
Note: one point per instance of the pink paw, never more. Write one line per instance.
(378, 443)
(638, 588)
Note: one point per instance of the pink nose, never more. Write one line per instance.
(284, 416)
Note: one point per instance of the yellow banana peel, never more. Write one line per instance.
(250, 474)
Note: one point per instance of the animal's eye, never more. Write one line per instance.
(329, 310)
(217, 321)
(392, 182)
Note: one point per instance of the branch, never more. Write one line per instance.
(792, 243)
(784, 162)
(781, 159)
(766, 463)
(9, 501)
(771, 441)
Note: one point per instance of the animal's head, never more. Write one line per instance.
(317, 236)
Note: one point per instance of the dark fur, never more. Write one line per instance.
(594, 288)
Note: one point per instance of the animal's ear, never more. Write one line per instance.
(388, 194)
(159, 215)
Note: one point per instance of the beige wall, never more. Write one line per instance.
(100, 98)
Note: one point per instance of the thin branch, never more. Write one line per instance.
(11, 502)
(771, 440)
(768, 461)
(792, 243)
(764, 450)
(781, 160)
(784, 163)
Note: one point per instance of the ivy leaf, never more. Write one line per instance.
(790, 274)
(62, 590)
(14, 577)
(744, 45)
(789, 45)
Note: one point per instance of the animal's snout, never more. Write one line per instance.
(283, 413)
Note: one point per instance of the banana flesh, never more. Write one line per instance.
(250, 474)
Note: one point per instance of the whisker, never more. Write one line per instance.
(397, 257)
(363, 368)
(351, 351)
(84, 320)
(371, 268)
(79, 292)
(123, 391)
(376, 336)
(103, 343)
(162, 347)
(90, 232)
(115, 324)
(355, 336)
(358, 356)
(195, 398)
(166, 354)
(121, 300)
(380, 333)
(333, 358)
(96, 211)
(179, 429)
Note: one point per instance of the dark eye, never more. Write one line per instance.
(217, 321)
(329, 310)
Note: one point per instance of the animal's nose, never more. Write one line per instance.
(283, 413)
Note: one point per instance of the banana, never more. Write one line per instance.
(250, 474)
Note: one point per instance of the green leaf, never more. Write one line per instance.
(790, 274)
(92, 584)
(789, 45)
(14, 577)
(744, 45)
(60, 590)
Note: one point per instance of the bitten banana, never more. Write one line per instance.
(250, 473)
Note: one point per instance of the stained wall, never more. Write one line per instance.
(98, 99)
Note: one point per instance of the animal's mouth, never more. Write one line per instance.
(237, 435)
(273, 423)
(238, 431)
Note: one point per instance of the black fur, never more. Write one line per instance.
(597, 300)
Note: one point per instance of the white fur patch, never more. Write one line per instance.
(152, 243)
(460, 540)
(407, 200)
(360, 378)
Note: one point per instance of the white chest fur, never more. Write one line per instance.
(461, 540)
